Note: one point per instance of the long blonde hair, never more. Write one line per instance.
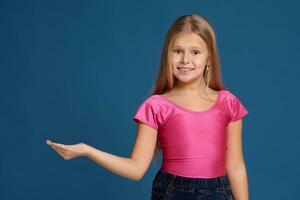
(165, 80)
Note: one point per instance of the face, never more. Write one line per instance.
(189, 56)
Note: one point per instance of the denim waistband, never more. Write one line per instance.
(166, 178)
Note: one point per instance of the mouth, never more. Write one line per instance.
(185, 69)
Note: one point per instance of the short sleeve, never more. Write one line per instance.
(147, 114)
(237, 109)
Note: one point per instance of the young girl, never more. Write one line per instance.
(191, 118)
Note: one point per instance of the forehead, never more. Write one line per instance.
(189, 39)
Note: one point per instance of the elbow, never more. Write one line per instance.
(139, 176)
(139, 171)
(134, 178)
(137, 179)
(135, 175)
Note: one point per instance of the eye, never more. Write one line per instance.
(196, 52)
(177, 50)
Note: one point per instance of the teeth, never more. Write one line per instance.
(185, 69)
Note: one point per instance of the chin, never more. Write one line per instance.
(185, 80)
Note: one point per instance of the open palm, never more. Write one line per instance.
(68, 151)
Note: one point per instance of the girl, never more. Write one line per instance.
(191, 118)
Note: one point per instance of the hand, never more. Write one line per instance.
(69, 151)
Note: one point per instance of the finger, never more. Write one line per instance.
(56, 148)
(53, 144)
(49, 142)
(61, 146)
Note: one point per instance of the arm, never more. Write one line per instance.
(236, 169)
(134, 167)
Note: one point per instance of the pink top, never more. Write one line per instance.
(193, 143)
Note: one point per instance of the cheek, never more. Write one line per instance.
(175, 59)
(200, 61)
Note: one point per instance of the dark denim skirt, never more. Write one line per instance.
(168, 186)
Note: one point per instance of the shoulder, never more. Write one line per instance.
(228, 94)
(154, 101)
(229, 99)
(233, 106)
(152, 111)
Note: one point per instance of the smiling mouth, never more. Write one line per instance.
(185, 68)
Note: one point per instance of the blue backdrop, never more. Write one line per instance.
(76, 71)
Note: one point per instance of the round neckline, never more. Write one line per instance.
(193, 111)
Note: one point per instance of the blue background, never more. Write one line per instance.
(76, 71)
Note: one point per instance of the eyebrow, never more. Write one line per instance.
(194, 47)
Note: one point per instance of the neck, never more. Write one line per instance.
(193, 88)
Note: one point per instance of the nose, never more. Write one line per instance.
(185, 58)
